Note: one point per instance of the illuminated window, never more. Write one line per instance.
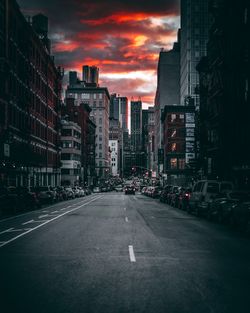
(173, 147)
(173, 163)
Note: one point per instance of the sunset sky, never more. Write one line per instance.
(122, 37)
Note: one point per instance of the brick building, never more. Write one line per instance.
(30, 93)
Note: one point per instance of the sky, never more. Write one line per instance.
(122, 37)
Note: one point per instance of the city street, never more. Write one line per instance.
(116, 253)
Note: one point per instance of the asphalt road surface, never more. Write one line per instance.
(116, 253)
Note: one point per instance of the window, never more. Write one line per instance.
(100, 104)
(100, 146)
(94, 96)
(100, 154)
(182, 164)
(67, 144)
(198, 187)
(65, 156)
(173, 117)
(66, 132)
(173, 163)
(173, 133)
(65, 171)
(100, 120)
(94, 104)
(173, 147)
(213, 188)
(100, 138)
(85, 96)
(100, 95)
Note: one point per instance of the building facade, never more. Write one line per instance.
(136, 125)
(119, 110)
(98, 99)
(70, 153)
(114, 148)
(90, 74)
(80, 114)
(179, 142)
(224, 90)
(30, 98)
(167, 92)
(193, 38)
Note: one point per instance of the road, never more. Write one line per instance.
(116, 253)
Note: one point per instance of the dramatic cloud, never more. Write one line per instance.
(122, 37)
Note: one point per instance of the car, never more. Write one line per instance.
(70, 193)
(45, 194)
(156, 192)
(82, 192)
(118, 188)
(129, 190)
(164, 193)
(183, 198)
(204, 192)
(96, 189)
(221, 208)
(76, 192)
(61, 192)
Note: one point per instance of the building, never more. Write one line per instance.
(80, 114)
(98, 99)
(151, 139)
(224, 90)
(30, 98)
(70, 153)
(114, 148)
(167, 92)
(179, 142)
(90, 74)
(193, 38)
(119, 110)
(136, 125)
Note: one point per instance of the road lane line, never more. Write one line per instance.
(125, 209)
(41, 216)
(126, 219)
(48, 221)
(40, 221)
(54, 212)
(131, 254)
(6, 230)
(30, 221)
(31, 212)
(18, 229)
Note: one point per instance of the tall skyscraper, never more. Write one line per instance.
(136, 125)
(119, 110)
(168, 91)
(194, 37)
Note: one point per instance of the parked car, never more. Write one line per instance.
(129, 190)
(164, 193)
(156, 191)
(183, 199)
(27, 199)
(171, 194)
(70, 193)
(204, 192)
(76, 192)
(96, 189)
(144, 189)
(45, 194)
(174, 199)
(82, 192)
(118, 188)
(62, 193)
(221, 208)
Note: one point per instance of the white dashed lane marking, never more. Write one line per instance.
(131, 254)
